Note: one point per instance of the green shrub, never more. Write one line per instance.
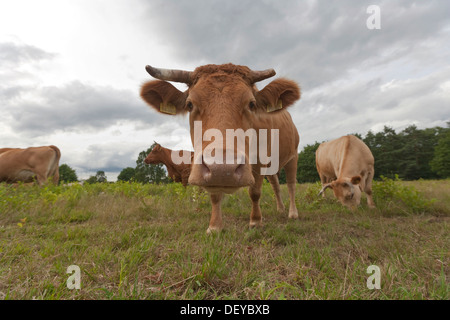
(392, 191)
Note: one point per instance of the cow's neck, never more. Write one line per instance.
(166, 159)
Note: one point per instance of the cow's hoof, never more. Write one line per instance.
(281, 209)
(213, 230)
(293, 214)
(255, 224)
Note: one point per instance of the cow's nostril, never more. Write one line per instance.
(205, 170)
(239, 172)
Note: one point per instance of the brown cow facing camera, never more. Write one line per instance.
(346, 165)
(27, 165)
(221, 100)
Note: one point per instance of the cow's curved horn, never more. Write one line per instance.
(169, 74)
(256, 76)
(328, 185)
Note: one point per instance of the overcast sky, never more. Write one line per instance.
(71, 71)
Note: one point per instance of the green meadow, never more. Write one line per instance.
(144, 241)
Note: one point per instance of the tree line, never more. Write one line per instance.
(142, 173)
(411, 154)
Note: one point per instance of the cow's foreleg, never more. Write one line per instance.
(370, 201)
(368, 191)
(55, 177)
(254, 192)
(215, 223)
(324, 181)
(291, 179)
(40, 179)
(274, 182)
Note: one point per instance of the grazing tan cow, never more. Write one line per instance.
(346, 165)
(222, 99)
(25, 165)
(181, 172)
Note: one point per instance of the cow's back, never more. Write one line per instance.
(345, 156)
(36, 156)
(329, 157)
(359, 158)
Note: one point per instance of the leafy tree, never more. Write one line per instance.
(386, 149)
(91, 180)
(306, 165)
(416, 153)
(127, 174)
(67, 174)
(407, 154)
(440, 163)
(152, 173)
(99, 177)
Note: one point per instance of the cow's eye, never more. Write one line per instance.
(252, 105)
(189, 106)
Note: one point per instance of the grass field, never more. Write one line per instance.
(134, 241)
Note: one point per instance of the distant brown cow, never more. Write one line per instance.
(346, 165)
(177, 172)
(181, 172)
(25, 165)
(222, 98)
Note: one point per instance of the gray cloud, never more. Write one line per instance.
(220, 32)
(326, 47)
(357, 107)
(313, 41)
(109, 159)
(18, 63)
(12, 54)
(74, 106)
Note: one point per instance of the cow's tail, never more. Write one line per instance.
(58, 152)
(54, 168)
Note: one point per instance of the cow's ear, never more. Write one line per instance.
(355, 180)
(278, 94)
(164, 97)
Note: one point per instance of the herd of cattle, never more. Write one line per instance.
(225, 97)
